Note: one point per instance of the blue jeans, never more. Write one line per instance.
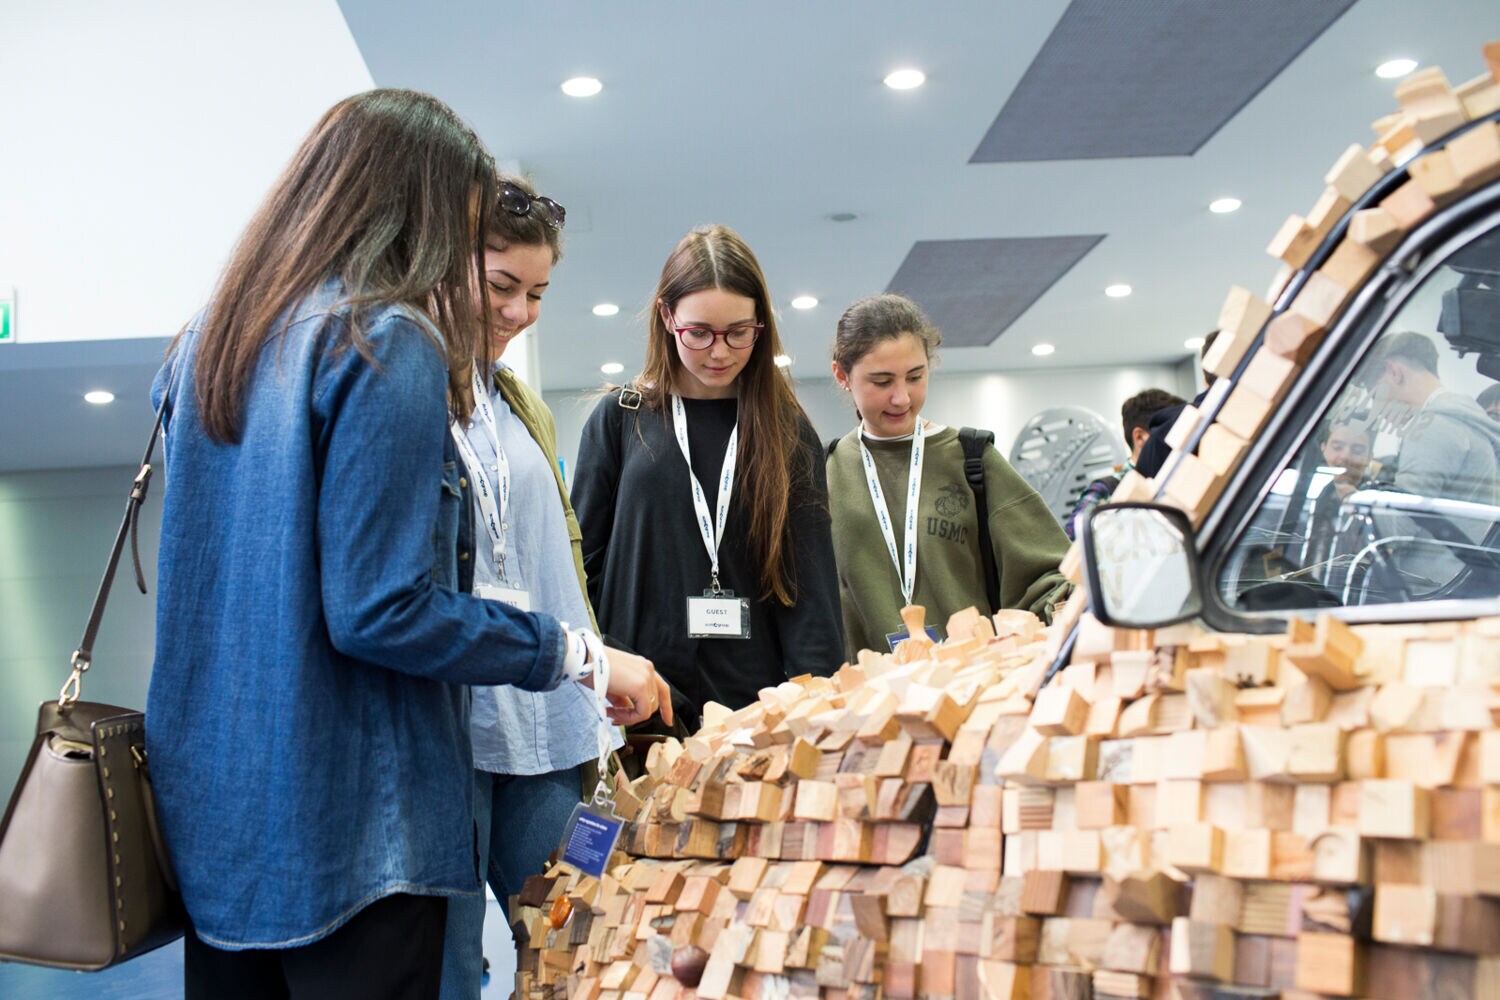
(520, 820)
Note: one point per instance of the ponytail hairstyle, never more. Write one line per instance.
(390, 194)
(875, 319)
(772, 459)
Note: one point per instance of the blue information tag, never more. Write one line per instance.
(589, 838)
(897, 638)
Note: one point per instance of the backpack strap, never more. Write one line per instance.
(828, 448)
(975, 442)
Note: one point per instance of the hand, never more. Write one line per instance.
(636, 692)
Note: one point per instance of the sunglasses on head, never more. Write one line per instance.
(518, 202)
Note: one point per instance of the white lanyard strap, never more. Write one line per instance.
(907, 571)
(712, 530)
(492, 504)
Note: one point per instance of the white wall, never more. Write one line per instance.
(149, 133)
(998, 402)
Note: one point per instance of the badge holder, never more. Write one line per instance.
(897, 638)
(594, 828)
(718, 614)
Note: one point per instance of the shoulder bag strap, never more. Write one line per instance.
(974, 443)
(129, 527)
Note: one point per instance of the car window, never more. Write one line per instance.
(1395, 497)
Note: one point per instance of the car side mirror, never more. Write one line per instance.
(1141, 564)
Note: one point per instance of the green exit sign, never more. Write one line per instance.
(8, 318)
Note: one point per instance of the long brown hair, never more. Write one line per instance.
(390, 194)
(771, 457)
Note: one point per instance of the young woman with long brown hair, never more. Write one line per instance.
(308, 706)
(701, 493)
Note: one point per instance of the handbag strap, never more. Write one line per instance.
(83, 656)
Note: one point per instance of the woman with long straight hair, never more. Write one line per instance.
(701, 493)
(308, 712)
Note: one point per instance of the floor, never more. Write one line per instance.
(158, 976)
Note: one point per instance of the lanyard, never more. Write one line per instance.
(491, 508)
(712, 530)
(907, 573)
(600, 658)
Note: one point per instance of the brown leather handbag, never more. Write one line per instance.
(85, 882)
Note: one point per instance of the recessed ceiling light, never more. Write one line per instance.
(606, 309)
(99, 397)
(804, 302)
(905, 79)
(1193, 343)
(1117, 291)
(1223, 206)
(582, 86)
(1042, 350)
(1393, 69)
(783, 360)
(611, 368)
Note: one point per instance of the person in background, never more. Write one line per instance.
(1135, 416)
(314, 638)
(1154, 451)
(1489, 401)
(901, 477)
(1346, 445)
(701, 494)
(534, 751)
(1450, 447)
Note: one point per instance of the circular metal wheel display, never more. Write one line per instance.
(1063, 449)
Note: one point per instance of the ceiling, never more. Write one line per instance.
(771, 117)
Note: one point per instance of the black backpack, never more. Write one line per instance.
(974, 442)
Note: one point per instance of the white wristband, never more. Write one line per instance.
(576, 664)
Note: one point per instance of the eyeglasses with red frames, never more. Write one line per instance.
(701, 338)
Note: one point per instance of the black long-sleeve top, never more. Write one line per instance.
(644, 555)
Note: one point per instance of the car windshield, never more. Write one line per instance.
(1395, 497)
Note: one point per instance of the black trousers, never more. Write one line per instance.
(393, 949)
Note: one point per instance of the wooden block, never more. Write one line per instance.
(1353, 173)
(1003, 980)
(1475, 155)
(1202, 951)
(1395, 707)
(1307, 701)
(1376, 229)
(1059, 711)
(816, 800)
(1044, 892)
(1131, 948)
(1319, 301)
(1397, 809)
(1339, 856)
(1224, 755)
(1433, 171)
(1332, 964)
(1147, 897)
(1316, 752)
(1480, 97)
(1350, 263)
(1196, 848)
(1292, 336)
(1184, 427)
(1220, 449)
(1251, 664)
(1294, 242)
(1405, 914)
(1408, 205)
(1210, 697)
(1268, 375)
(1099, 804)
(1193, 485)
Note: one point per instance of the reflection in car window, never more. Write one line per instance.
(1396, 496)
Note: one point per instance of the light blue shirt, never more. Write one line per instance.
(516, 731)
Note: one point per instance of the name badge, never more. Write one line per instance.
(897, 638)
(718, 616)
(518, 599)
(589, 838)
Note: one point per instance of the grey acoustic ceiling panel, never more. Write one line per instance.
(974, 289)
(1148, 77)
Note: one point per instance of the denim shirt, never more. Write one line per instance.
(307, 719)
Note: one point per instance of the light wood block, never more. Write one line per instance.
(1196, 848)
(1202, 951)
(1397, 809)
(1059, 711)
(1332, 964)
